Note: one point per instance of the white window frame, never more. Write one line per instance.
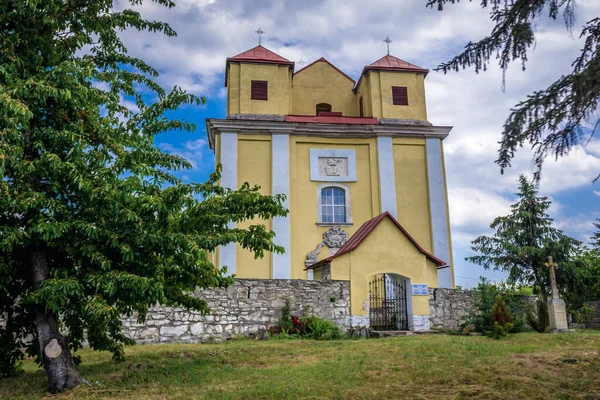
(346, 198)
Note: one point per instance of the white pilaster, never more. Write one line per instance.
(387, 180)
(281, 268)
(227, 253)
(439, 217)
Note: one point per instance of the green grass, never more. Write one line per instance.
(524, 366)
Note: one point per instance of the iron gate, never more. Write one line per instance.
(387, 304)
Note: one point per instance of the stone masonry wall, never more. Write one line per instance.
(449, 307)
(596, 306)
(247, 308)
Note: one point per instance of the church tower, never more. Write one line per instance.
(360, 165)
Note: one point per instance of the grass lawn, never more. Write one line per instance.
(524, 366)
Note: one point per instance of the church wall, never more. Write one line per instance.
(412, 195)
(240, 77)
(381, 83)
(321, 83)
(364, 194)
(385, 250)
(254, 167)
(364, 91)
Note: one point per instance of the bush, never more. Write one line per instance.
(500, 318)
(542, 321)
(484, 299)
(584, 316)
(308, 326)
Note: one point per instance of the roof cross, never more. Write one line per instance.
(259, 32)
(301, 63)
(388, 41)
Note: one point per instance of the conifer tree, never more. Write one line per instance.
(523, 240)
(93, 222)
(551, 121)
(595, 239)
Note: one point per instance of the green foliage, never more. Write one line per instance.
(85, 191)
(307, 326)
(500, 314)
(322, 329)
(549, 120)
(523, 240)
(485, 297)
(541, 321)
(595, 239)
(584, 316)
(498, 331)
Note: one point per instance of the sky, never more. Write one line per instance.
(350, 35)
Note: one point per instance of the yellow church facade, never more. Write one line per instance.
(361, 168)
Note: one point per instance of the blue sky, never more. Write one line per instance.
(351, 36)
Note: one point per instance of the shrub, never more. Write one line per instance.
(500, 314)
(541, 322)
(484, 299)
(308, 326)
(584, 316)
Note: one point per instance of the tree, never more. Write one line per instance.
(595, 239)
(550, 120)
(93, 222)
(523, 240)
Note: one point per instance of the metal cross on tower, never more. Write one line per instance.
(259, 32)
(301, 63)
(388, 41)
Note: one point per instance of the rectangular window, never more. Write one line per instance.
(360, 107)
(333, 205)
(259, 90)
(399, 95)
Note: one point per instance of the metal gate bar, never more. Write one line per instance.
(387, 304)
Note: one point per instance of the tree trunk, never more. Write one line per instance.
(58, 361)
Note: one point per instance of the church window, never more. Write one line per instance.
(399, 95)
(259, 90)
(334, 204)
(323, 107)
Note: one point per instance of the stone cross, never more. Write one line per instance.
(388, 41)
(301, 63)
(556, 307)
(552, 264)
(259, 32)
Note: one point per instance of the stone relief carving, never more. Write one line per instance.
(334, 238)
(334, 167)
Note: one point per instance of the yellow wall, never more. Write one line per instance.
(364, 194)
(412, 191)
(377, 89)
(394, 254)
(321, 83)
(364, 91)
(239, 78)
(254, 167)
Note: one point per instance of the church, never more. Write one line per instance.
(362, 171)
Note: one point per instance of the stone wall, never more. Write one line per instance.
(247, 308)
(449, 307)
(596, 306)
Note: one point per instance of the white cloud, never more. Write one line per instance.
(597, 193)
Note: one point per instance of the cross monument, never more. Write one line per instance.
(556, 306)
(387, 40)
(259, 32)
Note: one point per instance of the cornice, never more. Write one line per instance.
(246, 127)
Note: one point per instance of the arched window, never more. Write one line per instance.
(334, 204)
(323, 107)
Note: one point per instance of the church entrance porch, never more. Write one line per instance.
(387, 303)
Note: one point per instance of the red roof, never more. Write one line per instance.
(361, 234)
(329, 119)
(392, 63)
(322, 59)
(260, 54)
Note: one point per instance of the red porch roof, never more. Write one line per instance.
(361, 234)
